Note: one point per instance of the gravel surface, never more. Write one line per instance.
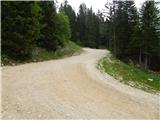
(72, 88)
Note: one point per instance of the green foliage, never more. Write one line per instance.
(62, 28)
(150, 32)
(103, 32)
(70, 49)
(124, 21)
(42, 54)
(81, 23)
(68, 10)
(88, 27)
(130, 74)
(20, 23)
(134, 37)
(48, 38)
(85, 27)
(34, 30)
(36, 11)
(26, 25)
(56, 28)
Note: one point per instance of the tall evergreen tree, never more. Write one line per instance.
(63, 30)
(97, 31)
(122, 25)
(90, 38)
(134, 37)
(151, 32)
(48, 37)
(88, 27)
(81, 23)
(68, 10)
(103, 31)
(20, 28)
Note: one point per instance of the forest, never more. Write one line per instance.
(132, 35)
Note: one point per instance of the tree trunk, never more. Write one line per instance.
(146, 62)
(149, 61)
(114, 43)
(140, 57)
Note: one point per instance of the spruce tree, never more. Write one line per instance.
(63, 30)
(81, 23)
(49, 38)
(68, 10)
(122, 24)
(20, 28)
(150, 32)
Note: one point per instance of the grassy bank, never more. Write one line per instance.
(130, 75)
(41, 54)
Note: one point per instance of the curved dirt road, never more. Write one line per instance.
(71, 88)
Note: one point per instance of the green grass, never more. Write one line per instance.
(131, 75)
(41, 54)
(70, 49)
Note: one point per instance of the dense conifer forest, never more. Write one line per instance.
(132, 35)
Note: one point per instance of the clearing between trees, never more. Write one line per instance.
(72, 88)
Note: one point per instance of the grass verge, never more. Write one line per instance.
(130, 74)
(41, 54)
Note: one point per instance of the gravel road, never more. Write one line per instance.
(72, 88)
